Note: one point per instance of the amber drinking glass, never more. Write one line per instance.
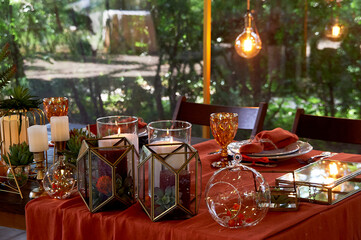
(224, 127)
(55, 106)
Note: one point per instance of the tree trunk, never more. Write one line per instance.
(98, 92)
(77, 99)
(158, 89)
(255, 79)
(93, 97)
(15, 54)
(57, 17)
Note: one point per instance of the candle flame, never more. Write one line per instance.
(333, 169)
(167, 131)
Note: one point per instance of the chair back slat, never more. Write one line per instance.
(327, 128)
(249, 118)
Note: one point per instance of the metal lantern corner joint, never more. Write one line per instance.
(169, 181)
(106, 173)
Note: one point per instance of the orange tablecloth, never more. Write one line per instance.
(70, 219)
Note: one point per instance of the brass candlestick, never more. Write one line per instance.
(59, 146)
(39, 158)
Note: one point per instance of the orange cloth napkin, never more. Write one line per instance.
(269, 140)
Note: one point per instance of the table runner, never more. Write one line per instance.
(48, 218)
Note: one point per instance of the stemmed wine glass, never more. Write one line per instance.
(224, 128)
(55, 106)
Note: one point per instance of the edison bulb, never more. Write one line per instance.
(248, 43)
(336, 30)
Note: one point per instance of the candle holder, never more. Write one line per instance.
(13, 124)
(106, 168)
(39, 158)
(325, 181)
(169, 130)
(169, 180)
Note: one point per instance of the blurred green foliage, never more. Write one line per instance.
(326, 82)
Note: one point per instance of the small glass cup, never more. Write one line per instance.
(224, 128)
(169, 131)
(119, 126)
(55, 106)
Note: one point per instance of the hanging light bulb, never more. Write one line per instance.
(248, 43)
(334, 30)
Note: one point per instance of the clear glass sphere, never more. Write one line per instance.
(59, 181)
(21, 175)
(237, 196)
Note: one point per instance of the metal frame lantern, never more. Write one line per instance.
(14, 124)
(169, 180)
(106, 173)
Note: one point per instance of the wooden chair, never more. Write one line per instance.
(249, 118)
(327, 128)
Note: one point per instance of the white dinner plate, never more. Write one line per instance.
(302, 148)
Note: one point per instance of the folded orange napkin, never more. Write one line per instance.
(269, 140)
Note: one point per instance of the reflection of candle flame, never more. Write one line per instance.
(329, 180)
(171, 139)
(118, 131)
(333, 169)
(167, 132)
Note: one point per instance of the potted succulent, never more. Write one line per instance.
(18, 159)
(74, 144)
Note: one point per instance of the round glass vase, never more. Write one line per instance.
(60, 180)
(21, 175)
(237, 196)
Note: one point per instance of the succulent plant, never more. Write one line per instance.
(124, 187)
(19, 154)
(74, 144)
(164, 198)
(20, 99)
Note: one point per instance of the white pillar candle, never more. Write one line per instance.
(175, 160)
(132, 138)
(10, 131)
(38, 138)
(59, 128)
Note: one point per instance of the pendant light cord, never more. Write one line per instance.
(248, 5)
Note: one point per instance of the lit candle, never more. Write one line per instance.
(131, 137)
(174, 160)
(38, 138)
(10, 130)
(59, 128)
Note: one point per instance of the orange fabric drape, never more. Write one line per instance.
(48, 218)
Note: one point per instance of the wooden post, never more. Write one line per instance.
(206, 58)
